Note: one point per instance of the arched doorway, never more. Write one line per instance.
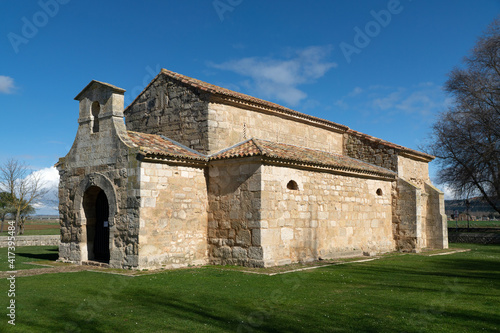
(96, 208)
(101, 237)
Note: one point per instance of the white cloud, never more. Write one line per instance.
(6, 85)
(388, 101)
(50, 177)
(50, 183)
(449, 194)
(280, 78)
(356, 91)
(420, 100)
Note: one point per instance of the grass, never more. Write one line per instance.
(474, 224)
(400, 293)
(28, 254)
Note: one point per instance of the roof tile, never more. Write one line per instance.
(211, 88)
(160, 145)
(256, 147)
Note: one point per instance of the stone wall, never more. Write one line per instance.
(414, 171)
(234, 219)
(99, 160)
(436, 219)
(42, 240)
(172, 109)
(430, 228)
(173, 216)
(182, 113)
(76, 181)
(328, 216)
(370, 151)
(230, 125)
(407, 216)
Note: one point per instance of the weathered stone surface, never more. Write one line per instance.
(370, 151)
(166, 210)
(175, 223)
(230, 124)
(329, 216)
(173, 110)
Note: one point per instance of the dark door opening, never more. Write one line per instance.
(101, 238)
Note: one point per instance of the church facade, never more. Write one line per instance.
(199, 174)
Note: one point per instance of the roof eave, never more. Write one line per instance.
(91, 83)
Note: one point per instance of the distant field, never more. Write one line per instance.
(37, 227)
(474, 224)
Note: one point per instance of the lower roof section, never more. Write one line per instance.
(157, 148)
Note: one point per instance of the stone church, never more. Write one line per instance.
(191, 174)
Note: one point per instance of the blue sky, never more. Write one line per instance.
(375, 66)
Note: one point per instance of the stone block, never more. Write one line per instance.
(243, 237)
(286, 234)
(239, 253)
(256, 237)
(256, 253)
(224, 252)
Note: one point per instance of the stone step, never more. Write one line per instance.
(95, 263)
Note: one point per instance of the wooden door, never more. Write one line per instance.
(101, 238)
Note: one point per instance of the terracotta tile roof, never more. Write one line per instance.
(223, 92)
(160, 145)
(286, 152)
(246, 99)
(164, 147)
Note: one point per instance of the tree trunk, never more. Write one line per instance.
(18, 216)
(21, 225)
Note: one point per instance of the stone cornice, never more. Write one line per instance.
(280, 112)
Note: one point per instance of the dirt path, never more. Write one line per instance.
(49, 270)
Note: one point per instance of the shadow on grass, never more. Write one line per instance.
(40, 256)
(171, 313)
(407, 293)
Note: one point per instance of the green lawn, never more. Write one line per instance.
(403, 293)
(474, 224)
(28, 254)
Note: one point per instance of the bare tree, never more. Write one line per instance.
(24, 214)
(466, 137)
(6, 207)
(26, 187)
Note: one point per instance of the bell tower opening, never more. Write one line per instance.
(96, 108)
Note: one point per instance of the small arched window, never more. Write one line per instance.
(292, 185)
(96, 108)
(379, 191)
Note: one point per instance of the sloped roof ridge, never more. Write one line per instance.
(115, 88)
(182, 146)
(224, 92)
(320, 151)
(296, 146)
(162, 151)
(214, 155)
(390, 144)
